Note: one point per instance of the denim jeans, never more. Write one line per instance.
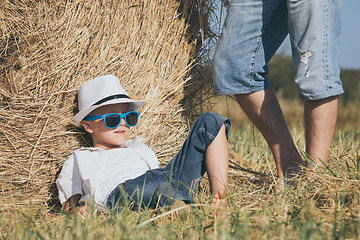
(179, 180)
(255, 29)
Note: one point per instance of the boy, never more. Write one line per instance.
(117, 170)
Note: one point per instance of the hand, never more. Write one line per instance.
(71, 204)
(82, 211)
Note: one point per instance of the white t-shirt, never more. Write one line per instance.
(95, 172)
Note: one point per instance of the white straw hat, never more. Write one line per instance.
(101, 91)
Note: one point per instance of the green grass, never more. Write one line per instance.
(325, 207)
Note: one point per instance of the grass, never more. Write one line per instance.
(52, 47)
(325, 207)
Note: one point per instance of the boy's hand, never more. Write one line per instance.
(71, 204)
(82, 211)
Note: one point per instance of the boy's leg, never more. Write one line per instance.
(188, 166)
(142, 192)
(180, 178)
(217, 166)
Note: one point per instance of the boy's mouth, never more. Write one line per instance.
(119, 132)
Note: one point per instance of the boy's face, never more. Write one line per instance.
(103, 137)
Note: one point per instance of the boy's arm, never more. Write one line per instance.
(69, 183)
(72, 203)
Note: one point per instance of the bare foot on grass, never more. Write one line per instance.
(219, 199)
(219, 202)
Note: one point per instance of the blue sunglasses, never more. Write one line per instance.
(113, 120)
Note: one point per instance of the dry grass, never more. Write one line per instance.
(49, 48)
(325, 206)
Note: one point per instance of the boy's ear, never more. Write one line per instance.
(86, 125)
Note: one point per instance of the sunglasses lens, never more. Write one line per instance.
(112, 120)
(132, 118)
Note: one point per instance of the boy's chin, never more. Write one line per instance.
(117, 144)
(110, 145)
(117, 141)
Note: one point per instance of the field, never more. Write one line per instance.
(324, 207)
(155, 47)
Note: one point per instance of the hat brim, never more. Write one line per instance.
(133, 105)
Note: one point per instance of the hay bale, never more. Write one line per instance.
(49, 48)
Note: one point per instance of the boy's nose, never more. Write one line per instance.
(122, 122)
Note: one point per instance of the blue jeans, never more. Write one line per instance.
(179, 180)
(255, 29)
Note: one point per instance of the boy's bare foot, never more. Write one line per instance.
(219, 199)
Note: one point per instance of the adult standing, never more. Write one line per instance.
(253, 31)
